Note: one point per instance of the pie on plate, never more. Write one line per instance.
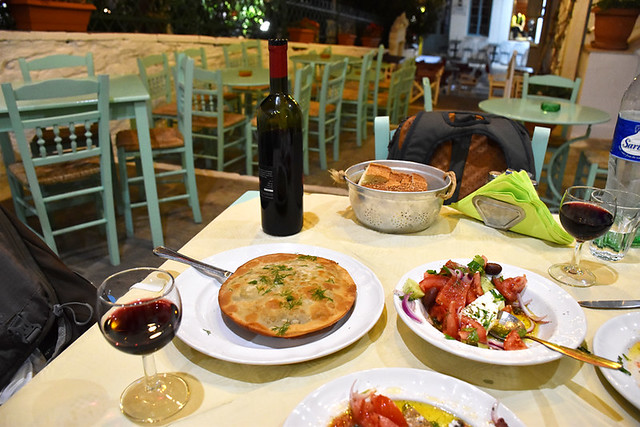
(287, 295)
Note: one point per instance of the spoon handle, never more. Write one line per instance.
(210, 270)
(578, 354)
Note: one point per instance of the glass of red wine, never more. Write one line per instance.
(586, 213)
(139, 313)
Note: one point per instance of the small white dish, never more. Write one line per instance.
(614, 338)
(457, 397)
(566, 325)
(205, 329)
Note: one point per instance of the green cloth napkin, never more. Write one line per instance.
(516, 189)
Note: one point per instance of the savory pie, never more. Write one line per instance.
(287, 295)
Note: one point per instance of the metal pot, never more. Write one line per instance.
(395, 211)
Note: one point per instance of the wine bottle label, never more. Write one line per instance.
(626, 140)
(266, 183)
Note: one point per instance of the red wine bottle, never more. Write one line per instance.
(280, 150)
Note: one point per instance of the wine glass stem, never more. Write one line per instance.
(575, 260)
(150, 374)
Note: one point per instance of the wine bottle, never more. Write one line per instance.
(280, 150)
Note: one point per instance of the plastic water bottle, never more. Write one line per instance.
(624, 158)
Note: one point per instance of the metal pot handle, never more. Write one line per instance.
(452, 187)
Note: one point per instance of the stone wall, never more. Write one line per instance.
(115, 54)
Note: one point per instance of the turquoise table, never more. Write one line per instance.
(128, 100)
(249, 86)
(528, 110)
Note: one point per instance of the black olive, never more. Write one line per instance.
(492, 269)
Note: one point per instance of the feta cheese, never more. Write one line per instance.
(485, 308)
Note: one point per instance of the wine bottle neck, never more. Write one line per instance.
(279, 85)
(278, 66)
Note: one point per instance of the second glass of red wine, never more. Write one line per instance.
(586, 213)
(139, 312)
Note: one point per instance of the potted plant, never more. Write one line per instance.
(614, 22)
(305, 31)
(51, 15)
(372, 35)
(347, 33)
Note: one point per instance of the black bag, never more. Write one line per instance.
(43, 304)
(467, 143)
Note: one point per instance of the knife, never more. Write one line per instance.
(611, 304)
(217, 273)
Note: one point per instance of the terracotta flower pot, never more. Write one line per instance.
(346, 39)
(370, 41)
(613, 27)
(303, 35)
(45, 15)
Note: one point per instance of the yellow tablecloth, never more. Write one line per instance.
(82, 386)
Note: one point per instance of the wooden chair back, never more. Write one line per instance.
(67, 172)
(56, 62)
(198, 54)
(252, 53)
(156, 76)
(552, 86)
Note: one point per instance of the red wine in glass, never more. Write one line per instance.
(585, 221)
(142, 328)
(139, 313)
(586, 213)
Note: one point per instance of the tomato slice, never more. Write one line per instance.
(514, 342)
(386, 408)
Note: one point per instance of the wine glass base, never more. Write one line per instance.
(146, 405)
(572, 275)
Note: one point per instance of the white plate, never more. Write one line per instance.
(204, 328)
(613, 339)
(454, 396)
(567, 323)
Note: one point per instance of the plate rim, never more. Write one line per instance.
(608, 348)
(372, 289)
(542, 354)
(386, 379)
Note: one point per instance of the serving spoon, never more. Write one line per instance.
(507, 322)
(207, 269)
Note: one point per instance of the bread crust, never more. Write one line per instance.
(287, 295)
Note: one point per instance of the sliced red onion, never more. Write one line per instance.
(528, 312)
(495, 343)
(406, 306)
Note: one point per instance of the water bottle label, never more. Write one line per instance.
(626, 140)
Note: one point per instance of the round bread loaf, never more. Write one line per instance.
(287, 295)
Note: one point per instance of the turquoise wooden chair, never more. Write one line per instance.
(156, 75)
(56, 62)
(550, 85)
(376, 77)
(395, 102)
(354, 101)
(252, 53)
(216, 131)
(327, 111)
(197, 53)
(233, 55)
(38, 67)
(48, 181)
(165, 142)
(426, 88)
(303, 86)
(556, 169)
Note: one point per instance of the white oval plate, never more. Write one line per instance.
(205, 329)
(457, 397)
(567, 323)
(614, 338)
